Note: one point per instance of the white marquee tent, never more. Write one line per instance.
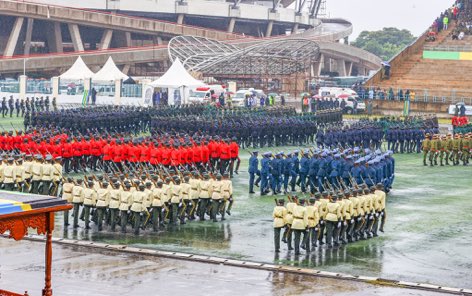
(78, 71)
(177, 78)
(109, 72)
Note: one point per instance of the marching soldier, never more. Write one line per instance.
(323, 210)
(125, 204)
(313, 220)
(137, 207)
(90, 200)
(205, 186)
(114, 205)
(37, 174)
(9, 175)
(300, 223)
(103, 200)
(67, 195)
(194, 195)
(47, 175)
(56, 175)
(20, 175)
(279, 214)
(227, 194)
(287, 236)
(215, 197)
(333, 219)
(426, 146)
(175, 200)
(186, 201)
(157, 217)
(77, 199)
(28, 165)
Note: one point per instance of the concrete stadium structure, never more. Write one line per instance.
(42, 36)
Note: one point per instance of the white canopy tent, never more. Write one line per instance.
(78, 71)
(109, 72)
(177, 78)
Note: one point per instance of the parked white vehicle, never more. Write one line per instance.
(240, 95)
(336, 91)
(203, 94)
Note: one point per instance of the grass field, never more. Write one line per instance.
(427, 239)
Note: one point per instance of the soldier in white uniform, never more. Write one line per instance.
(77, 199)
(90, 200)
(125, 204)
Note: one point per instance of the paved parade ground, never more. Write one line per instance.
(79, 272)
(427, 237)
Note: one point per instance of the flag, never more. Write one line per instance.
(84, 98)
(406, 108)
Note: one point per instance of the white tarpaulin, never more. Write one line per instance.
(176, 77)
(109, 72)
(78, 71)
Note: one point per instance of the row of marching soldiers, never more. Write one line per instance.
(337, 218)
(150, 200)
(31, 174)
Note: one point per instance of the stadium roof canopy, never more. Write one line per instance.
(275, 57)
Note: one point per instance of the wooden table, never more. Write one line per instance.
(20, 211)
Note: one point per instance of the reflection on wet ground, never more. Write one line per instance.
(427, 239)
(78, 271)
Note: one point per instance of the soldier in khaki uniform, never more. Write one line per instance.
(227, 194)
(313, 216)
(380, 192)
(37, 174)
(90, 200)
(114, 204)
(369, 210)
(157, 216)
(175, 200)
(20, 175)
(287, 236)
(456, 147)
(339, 227)
(194, 195)
(323, 210)
(333, 219)
(56, 175)
(279, 214)
(300, 223)
(47, 175)
(205, 187)
(125, 204)
(361, 221)
(377, 208)
(9, 175)
(426, 146)
(77, 199)
(103, 200)
(137, 207)
(216, 197)
(186, 201)
(350, 220)
(28, 165)
(67, 195)
(165, 198)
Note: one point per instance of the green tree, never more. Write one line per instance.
(385, 43)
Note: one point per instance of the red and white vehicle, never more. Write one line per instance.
(204, 94)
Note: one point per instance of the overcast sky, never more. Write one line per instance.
(414, 15)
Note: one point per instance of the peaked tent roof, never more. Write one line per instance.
(109, 72)
(78, 71)
(176, 77)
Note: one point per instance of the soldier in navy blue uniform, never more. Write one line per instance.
(313, 169)
(275, 173)
(265, 171)
(253, 170)
(288, 169)
(335, 169)
(295, 170)
(304, 168)
(321, 174)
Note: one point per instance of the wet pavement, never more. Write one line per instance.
(427, 239)
(78, 271)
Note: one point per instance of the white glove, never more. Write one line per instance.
(376, 215)
(345, 223)
(359, 219)
(321, 222)
(339, 225)
(352, 221)
(316, 228)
